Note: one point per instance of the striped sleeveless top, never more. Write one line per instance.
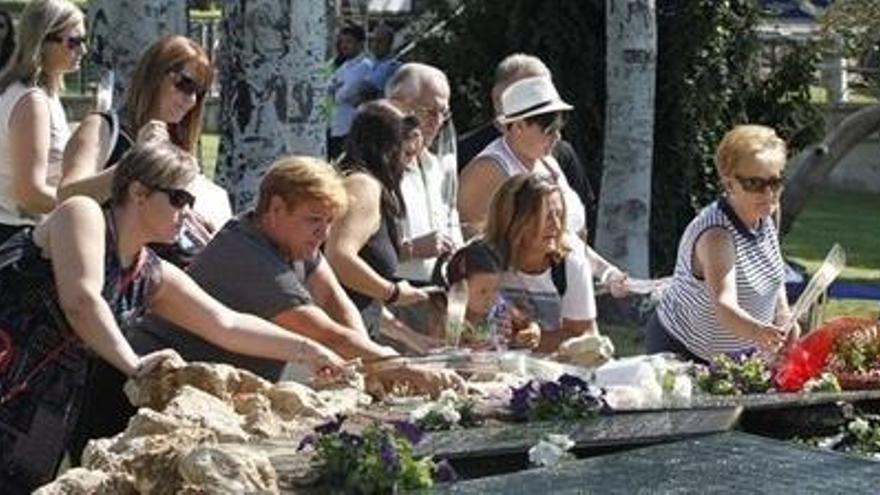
(687, 311)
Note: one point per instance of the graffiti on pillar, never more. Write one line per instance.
(270, 74)
(120, 31)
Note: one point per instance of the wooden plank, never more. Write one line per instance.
(723, 463)
(616, 430)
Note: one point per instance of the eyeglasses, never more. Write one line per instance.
(549, 123)
(71, 42)
(442, 114)
(178, 198)
(760, 184)
(184, 83)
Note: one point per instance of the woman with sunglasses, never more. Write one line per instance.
(544, 278)
(77, 278)
(363, 245)
(728, 290)
(165, 100)
(33, 126)
(532, 116)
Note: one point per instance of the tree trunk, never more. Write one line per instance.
(273, 78)
(121, 30)
(812, 166)
(625, 204)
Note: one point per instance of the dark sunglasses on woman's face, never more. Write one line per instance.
(71, 42)
(178, 198)
(549, 122)
(187, 85)
(760, 184)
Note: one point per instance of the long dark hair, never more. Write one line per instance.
(373, 145)
(7, 44)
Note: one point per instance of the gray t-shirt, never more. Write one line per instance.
(241, 268)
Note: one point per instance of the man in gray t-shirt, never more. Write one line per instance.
(242, 269)
(268, 263)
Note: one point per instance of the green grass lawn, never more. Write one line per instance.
(208, 153)
(850, 219)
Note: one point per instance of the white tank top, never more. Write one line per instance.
(509, 165)
(59, 132)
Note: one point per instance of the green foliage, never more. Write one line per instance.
(377, 461)
(708, 79)
(728, 375)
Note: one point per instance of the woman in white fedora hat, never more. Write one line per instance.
(532, 116)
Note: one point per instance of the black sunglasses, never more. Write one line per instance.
(549, 122)
(187, 85)
(71, 42)
(178, 198)
(760, 184)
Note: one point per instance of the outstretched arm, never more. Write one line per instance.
(182, 302)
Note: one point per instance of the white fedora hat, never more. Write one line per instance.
(528, 97)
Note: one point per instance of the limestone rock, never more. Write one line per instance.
(220, 380)
(208, 412)
(81, 481)
(227, 470)
(150, 460)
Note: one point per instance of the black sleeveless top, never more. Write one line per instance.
(380, 254)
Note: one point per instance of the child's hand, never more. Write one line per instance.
(528, 337)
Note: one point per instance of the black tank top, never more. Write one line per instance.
(380, 254)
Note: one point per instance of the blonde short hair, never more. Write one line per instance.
(39, 20)
(296, 179)
(515, 212)
(746, 143)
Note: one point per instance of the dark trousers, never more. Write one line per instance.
(658, 339)
(7, 231)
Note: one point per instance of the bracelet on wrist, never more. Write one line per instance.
(394, 294)
(607, 274)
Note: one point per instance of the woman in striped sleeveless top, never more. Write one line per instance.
(728, 292)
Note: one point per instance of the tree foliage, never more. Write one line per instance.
(709, 78)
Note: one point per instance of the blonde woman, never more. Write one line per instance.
(33, 127)
(728, 290)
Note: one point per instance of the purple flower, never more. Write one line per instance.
(408, 430)
(444, 473)
(331, 426)
(388, 454)
(308, 441)
(550, 391)
(572, 382)
(743, 355)
(519, 400)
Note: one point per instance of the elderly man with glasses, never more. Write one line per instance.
(430, 183)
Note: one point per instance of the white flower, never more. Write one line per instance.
(420, 412)
(859, 426)
(448, 396)
(449, 413)
(545, 454)
(561, 441)
(551, 450)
